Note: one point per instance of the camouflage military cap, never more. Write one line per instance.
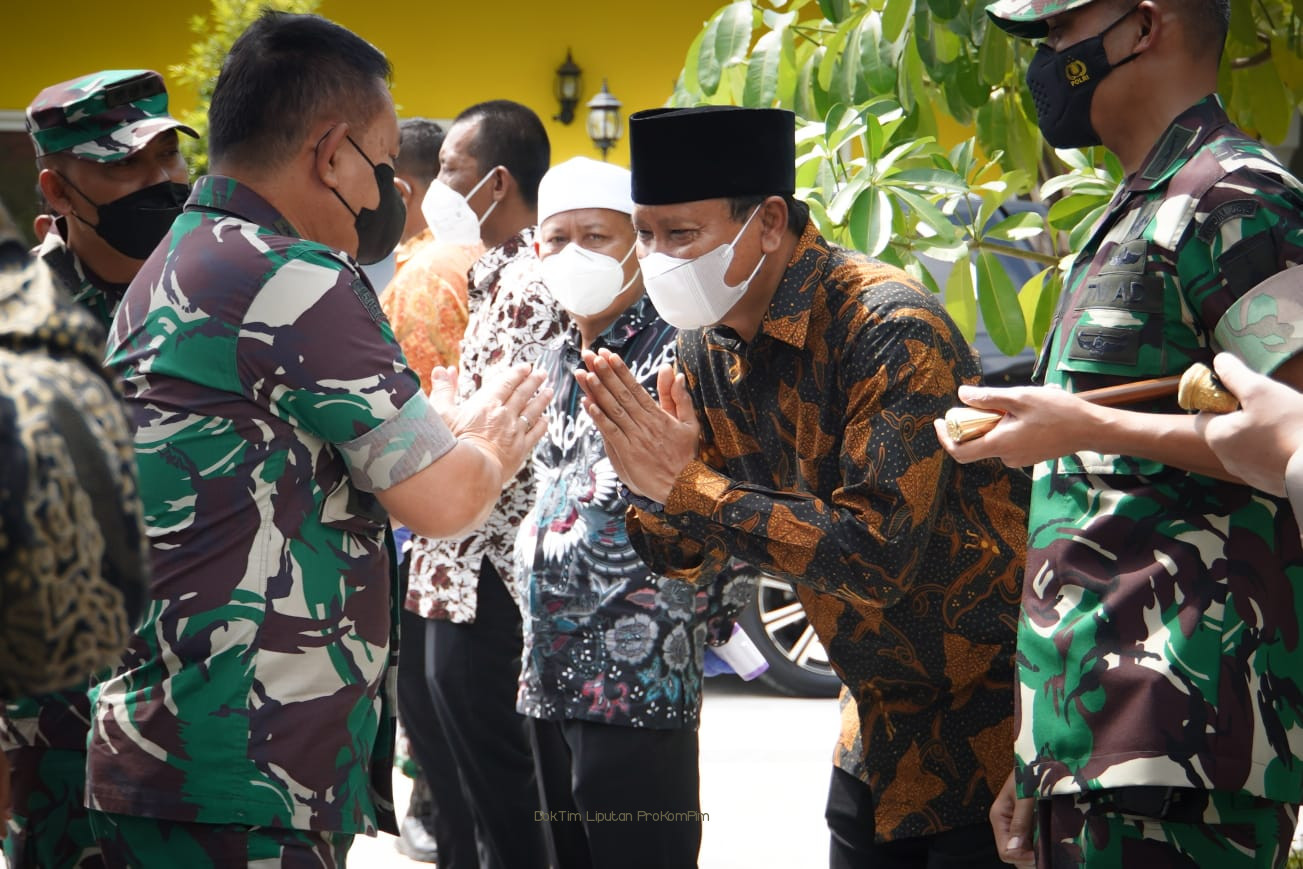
(104, 116)
(1026, 18)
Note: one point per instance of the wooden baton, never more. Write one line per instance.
(1197, 389)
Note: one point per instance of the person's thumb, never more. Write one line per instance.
(1237, 377)
(443, 389)
(983, 398)
(1020, 825)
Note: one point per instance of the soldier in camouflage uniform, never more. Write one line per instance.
(278, 427)
(112, 171)
(1159, 658)
(110, 168)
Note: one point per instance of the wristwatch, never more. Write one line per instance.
(639, 501)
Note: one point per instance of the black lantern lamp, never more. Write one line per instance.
(604, 124)
(567, 88)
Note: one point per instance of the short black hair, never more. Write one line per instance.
(419, 140)
(511, 135)
(798, 213)
(282, 74)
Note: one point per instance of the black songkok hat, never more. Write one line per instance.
(711, 152)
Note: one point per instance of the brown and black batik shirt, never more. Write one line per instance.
(819, 464)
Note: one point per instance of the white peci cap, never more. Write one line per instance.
(583, 182)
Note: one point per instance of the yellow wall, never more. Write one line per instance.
(446, 56)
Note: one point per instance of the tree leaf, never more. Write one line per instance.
(895, 15)
(961, 298)
(1019, 226)
(835, 10)
(870, 221)
(708, 64)
(1068, 211)
(1037, 298)
(999, 304)
(1080, 234)
(878, 58)
(762, 70)
(828, 63)
(1270, 107)
(993, 57)
(733, 33)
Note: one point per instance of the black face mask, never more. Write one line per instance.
(134, 224)
(378, 230)
(1063, 83)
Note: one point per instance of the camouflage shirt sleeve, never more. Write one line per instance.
(1249, 227)
(354, 390)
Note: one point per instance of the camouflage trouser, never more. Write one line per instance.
(49, 828)
(1225, 830)
(154, 843)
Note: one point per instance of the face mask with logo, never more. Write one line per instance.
(692, 293)
(449, 214)
(1063, 83)
(134, 224)
(585, 282)
(378, 229)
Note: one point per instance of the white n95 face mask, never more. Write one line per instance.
(449, 214)
(692, 293)
(585, 282)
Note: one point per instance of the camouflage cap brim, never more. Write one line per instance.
(127, 140)
(1026, 18)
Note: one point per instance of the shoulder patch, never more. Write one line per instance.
(1242, 209)
(368, 298)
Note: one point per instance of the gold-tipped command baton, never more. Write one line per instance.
(1197, 389)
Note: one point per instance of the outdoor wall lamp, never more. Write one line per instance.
(604, 124)
(567, 89)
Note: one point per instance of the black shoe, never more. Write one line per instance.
(415, 842)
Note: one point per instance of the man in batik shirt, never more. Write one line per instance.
(110, 168)
(493, 158)
(277, 428)
(612, 671)
(796, 436)
(1158, 647)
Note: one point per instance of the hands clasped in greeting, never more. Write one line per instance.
(505, 417)
(648, 442)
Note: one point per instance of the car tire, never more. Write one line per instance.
(776, 622)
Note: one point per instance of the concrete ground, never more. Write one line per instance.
(765, 762)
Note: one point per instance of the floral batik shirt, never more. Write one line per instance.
(513, 319)
(606, 640)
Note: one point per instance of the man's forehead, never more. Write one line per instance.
(461, 137)
(584, 217)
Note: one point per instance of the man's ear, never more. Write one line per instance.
(502, 183)
(1151, 26)
(773, 222)
(55, 191)
(404, 191)
(324, 156)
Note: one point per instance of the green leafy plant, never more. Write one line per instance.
(873, 82)
(216, 34)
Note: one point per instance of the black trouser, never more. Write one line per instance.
(473, 670)
(850, 821)
(598, 778)
(451, 823)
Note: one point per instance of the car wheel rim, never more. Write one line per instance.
(785, 623)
